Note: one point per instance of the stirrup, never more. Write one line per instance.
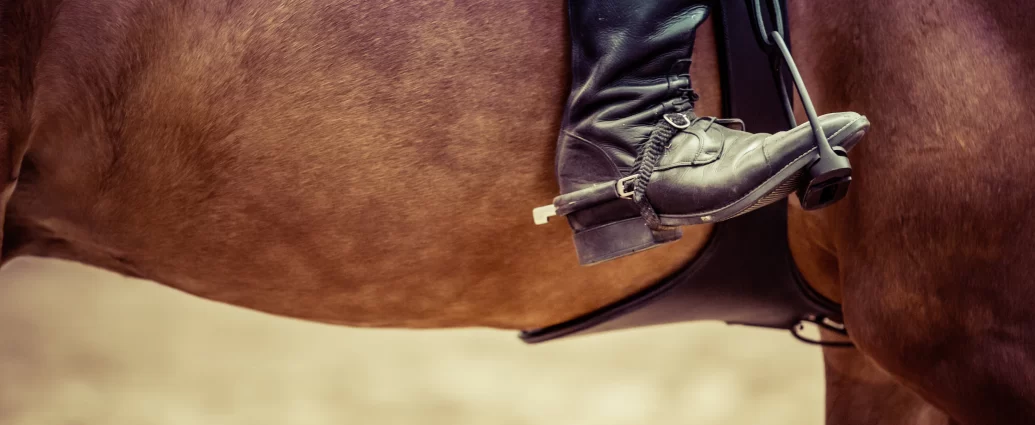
(831, 175)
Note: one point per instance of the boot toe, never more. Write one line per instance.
(842, 129)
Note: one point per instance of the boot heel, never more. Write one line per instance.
(619, 238)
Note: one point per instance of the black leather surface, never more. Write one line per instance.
(630, 68)
(745, 275)
(748, 160)
(627, 57)
(748, 90)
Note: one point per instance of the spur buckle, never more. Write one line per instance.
(625, 188)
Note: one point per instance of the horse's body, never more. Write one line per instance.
(375, 164)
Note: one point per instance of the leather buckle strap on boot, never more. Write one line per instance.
(624, 188)
(628, 187)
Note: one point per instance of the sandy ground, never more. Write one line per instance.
(79, 346)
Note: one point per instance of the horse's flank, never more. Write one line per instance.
(375, 164)
(362, 163)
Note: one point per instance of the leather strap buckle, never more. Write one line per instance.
(624, 187)
(680, 121)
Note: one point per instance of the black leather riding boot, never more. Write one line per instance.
(633, 160)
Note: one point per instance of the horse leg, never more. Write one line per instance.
(861, 393)
(932, 248)
(858, 392)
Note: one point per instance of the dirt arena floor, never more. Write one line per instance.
(79, 346)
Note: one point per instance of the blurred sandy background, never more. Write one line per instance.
(79, 346)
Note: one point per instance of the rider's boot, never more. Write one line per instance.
(633, 160)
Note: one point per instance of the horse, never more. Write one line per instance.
(375, 164)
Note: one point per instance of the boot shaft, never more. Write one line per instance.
(630, 66)
(630, 63)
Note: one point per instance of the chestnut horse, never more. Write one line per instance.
(375, 164)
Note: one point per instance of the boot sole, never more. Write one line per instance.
(777, 187)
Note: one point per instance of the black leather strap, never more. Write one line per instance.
(747, 93)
